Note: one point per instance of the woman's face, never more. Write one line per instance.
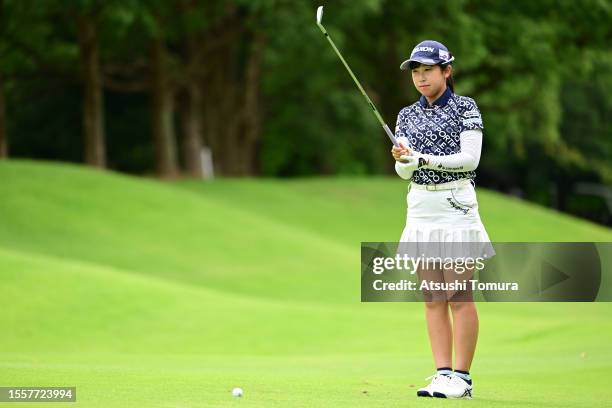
(430, 80)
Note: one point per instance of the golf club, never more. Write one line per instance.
(380, 119)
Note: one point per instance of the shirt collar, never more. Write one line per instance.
(441, 101)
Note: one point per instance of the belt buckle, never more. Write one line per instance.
(433, 187)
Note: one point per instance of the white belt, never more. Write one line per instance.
(451, 185)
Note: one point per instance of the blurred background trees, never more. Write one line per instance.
(152, 86)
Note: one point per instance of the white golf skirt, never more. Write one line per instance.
(445, 223)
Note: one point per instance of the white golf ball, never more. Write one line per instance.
(237, 392)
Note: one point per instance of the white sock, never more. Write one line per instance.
(464, 376)
(445, 371)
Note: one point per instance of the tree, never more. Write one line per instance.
(191, 125)
(93, 93)
(3, 138)
(191, 111)
(162, 114)
(142, 62)
(232, 50)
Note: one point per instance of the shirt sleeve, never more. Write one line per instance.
(470, 117)
(466, 160)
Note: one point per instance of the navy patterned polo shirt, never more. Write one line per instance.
(435, 129)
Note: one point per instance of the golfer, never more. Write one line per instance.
(440, 139)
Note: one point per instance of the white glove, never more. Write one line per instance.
(407, 164)
(405, 169)
(416, 160)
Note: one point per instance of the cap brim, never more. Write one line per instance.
(426, 61)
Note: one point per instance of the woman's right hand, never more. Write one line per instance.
(402, 150)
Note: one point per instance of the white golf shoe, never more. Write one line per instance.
(455, 387)
(439, 383)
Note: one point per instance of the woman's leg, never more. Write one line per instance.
(440, 332)
(465, 333)
(438, 318)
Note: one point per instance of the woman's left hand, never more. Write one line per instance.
(398, 152)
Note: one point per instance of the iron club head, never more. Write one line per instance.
(319, 14)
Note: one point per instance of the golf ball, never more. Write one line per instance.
(237, 392)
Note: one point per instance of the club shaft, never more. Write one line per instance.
(365, 95)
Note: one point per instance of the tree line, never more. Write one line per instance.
(143, 86)
(199, 63)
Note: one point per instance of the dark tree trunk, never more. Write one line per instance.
(251, 109)
(3, 141)
(93, 98)
(221, 111)
(191, 109)
(211, 114)
(232, 113)
(3, 138)
(163, 112)
(192, 130)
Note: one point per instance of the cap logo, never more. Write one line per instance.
(443, 54)
(426, 49)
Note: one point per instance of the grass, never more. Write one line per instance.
(142, 293)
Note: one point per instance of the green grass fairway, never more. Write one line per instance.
(150, 294)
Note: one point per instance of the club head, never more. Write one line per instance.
(319, 14)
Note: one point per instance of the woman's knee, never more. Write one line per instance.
(436, 305)
(459, 306)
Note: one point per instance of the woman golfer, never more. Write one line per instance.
(441, 139)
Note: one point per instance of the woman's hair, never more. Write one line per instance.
(450, 81)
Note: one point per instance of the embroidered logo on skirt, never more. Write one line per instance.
(457, 207)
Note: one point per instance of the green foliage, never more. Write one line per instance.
(534, 68)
